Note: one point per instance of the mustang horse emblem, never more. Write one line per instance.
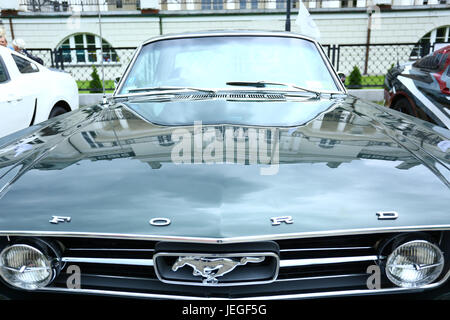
(212, 268)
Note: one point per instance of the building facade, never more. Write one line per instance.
(48, 23)
(73, 26)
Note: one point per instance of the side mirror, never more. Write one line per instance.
(342, 77)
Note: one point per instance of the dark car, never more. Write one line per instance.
(226, 165)
(422, 89)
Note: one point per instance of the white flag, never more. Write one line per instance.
(307, 25)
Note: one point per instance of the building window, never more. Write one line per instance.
(119, 4)
(243, 4)
(217, 4)
(347, 4)
(24, 65)
(206, 4)
(84, 48)
(212, 4)
(433, 40)
(281, 4)
(3, 72)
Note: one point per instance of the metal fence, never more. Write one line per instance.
(79, 5)
(83, 63)
(114, 5)
(372, 61)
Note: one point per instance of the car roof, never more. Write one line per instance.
(442, 50)
(4, 49)
(211, 33)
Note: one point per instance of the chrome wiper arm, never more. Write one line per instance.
(169, 88)
(263, 84)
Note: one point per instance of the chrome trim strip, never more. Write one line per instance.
(284, 236)
(324, 277)
(324, 249)
(121, 293)
(280, 297)
(278, 280)
(111, 249)
(330, 67)
(281, 250)
(227, 33)
(319, 261)
(272, 297)
(282, 263)
(128, 262)
(119, 86)
(287, 93)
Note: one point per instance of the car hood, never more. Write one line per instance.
(112, 169)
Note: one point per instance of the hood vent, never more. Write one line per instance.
(231, 96)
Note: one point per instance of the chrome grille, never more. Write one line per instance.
(310, 266)
(305, 264)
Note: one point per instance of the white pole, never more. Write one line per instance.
(101, 50)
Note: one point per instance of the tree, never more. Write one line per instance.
(355, 78)
(95, 85)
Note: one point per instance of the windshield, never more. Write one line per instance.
(211, 62)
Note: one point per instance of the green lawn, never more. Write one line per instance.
(370, 82)
(83, 85)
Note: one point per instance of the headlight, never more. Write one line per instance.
(25, 267)
(414, 264)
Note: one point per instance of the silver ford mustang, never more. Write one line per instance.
(226, 165)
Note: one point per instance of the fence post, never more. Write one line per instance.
(338, 56)
(55, 58)
(52, 60)
(61, 58)
(59, 63)
(333, 57)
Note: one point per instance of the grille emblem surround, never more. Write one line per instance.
(216, 269)
(212, 268)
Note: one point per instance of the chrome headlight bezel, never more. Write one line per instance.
(415, 269)
(38, 256)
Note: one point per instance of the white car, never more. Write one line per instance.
(31, 93)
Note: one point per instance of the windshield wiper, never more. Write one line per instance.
(263, 84)
(169, 88)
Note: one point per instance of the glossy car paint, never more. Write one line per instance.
(112, 171)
